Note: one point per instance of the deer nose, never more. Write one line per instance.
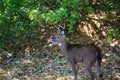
(51, 42)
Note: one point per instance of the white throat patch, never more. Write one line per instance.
(60, 44)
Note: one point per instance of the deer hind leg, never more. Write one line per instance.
(98, 70)
(89, 69)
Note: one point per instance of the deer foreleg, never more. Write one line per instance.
(74, 70)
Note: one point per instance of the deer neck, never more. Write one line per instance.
(63, 46)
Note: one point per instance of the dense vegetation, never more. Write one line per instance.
(20, 18)
(29, 23)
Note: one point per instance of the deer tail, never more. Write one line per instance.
(98, 64)
(98, 55)
(99, 58)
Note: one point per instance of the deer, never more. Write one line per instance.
(88, 54)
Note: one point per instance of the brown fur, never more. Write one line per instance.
(90, 55)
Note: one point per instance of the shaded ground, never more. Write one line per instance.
(52, 66)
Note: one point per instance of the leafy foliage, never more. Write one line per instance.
(113, 33)
(19, 19)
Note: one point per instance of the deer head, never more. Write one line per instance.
(59, 37)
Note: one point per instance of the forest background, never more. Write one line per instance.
(26, 27)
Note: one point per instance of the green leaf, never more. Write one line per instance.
(89, 9)
(58, 62)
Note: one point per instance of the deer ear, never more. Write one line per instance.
(58, 30)
(63, 33)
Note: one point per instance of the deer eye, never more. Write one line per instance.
(58, 37)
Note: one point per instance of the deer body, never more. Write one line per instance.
(90, 55)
